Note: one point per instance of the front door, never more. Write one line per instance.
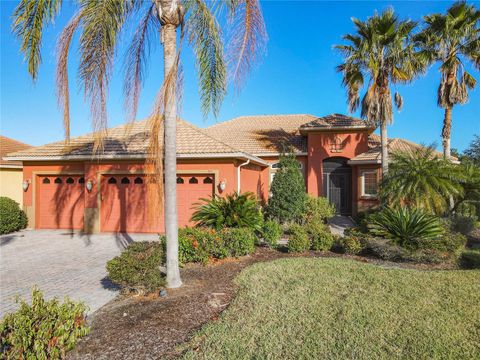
(337, 184)
(339, 192)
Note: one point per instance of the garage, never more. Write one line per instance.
(125, 200)
(60, 202)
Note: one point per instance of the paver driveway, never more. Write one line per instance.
(60, 263)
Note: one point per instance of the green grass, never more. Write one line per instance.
(339, 309)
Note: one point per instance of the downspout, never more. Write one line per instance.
(238, 174)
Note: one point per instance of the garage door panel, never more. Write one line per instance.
(128, 202)
(60, 202)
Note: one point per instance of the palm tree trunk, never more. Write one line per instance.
(170, 160)
(384, 144)
(446, 132)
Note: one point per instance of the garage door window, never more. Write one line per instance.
(208, 180)
(112, 180)
(180, 180)
(193, 180)
(81, 180)
(138, 180)
(70, 180)
(58, 180)
(125, 180)
(46, 181)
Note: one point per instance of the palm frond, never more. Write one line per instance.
(29, 20)
(63, 49)
(102, 22)
(135, 60)
(246, 39)
(204, 34)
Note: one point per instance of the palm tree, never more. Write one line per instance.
(380, 52)
(100, 23)
(448, 39)
(420, 179)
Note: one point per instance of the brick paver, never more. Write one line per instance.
(60, 263)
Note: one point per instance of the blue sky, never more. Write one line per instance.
(296, 76)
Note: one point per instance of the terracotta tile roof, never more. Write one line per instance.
(394, 145)
(131, 141)
(263, 134)
(8, 145)
(336, 121)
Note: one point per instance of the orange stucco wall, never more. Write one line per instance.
(319, 148)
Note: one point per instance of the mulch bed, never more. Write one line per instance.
(150, 327)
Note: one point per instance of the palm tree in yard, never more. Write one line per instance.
(100, 23)
(451, 39)
(380, 54)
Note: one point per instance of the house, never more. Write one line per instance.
(11, 172)
(71, 187)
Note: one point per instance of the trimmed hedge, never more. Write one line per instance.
(272, 232)
(202, 244)
(138, 268)
(321, 239)
(470, 259)
(43, 330)
(12, 218)
(298, 240)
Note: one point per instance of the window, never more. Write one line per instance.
(125, 180)
(46, 181)
(193, 180)
(180, 180)
(70, 180)
(369, 183)
(112, 180)
(58, 180)
(208, 180)
(138, 180)
(81, 180)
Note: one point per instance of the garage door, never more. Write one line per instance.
(125, 202)
(60, 202)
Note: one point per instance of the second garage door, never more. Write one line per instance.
(125, 207)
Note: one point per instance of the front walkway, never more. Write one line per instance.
(60, 263)
(339, 223)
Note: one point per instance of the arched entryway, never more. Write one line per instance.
(337, 184)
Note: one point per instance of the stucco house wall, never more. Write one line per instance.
(11, 184)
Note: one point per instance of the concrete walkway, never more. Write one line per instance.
(60, 263)
(339, 223)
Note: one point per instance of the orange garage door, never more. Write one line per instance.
(60, 202)
(124, 202)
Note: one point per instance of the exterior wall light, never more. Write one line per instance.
(223, 185)
(89, 185)
(25, 184)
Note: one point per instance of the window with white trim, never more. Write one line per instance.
(369, 183)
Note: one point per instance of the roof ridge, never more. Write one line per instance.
(253, 116)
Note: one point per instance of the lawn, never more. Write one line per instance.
(337, 309)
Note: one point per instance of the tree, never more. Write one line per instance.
(381, 53)
(452, 39)
(472, 153)
(419, 179)
(288, 194)
(100, 23)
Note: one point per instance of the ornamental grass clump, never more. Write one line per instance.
(43, 330)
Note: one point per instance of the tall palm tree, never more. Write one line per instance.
(100, 23)
(449, 39)
(380, 52)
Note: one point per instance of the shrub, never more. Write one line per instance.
(272, 232)
(470, 259)
(318, 209)
(321, 239)
(238, 242)
(12, 218)
(385, 250)
(233, 210)
(201, 245)
(298, 239)
(44, 330)
(463, 223)
(407, 227)
(450, 242)
(138, 267)
(352, 244)
(287, 202)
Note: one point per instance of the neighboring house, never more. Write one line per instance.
(109, 192)
(11, 172)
